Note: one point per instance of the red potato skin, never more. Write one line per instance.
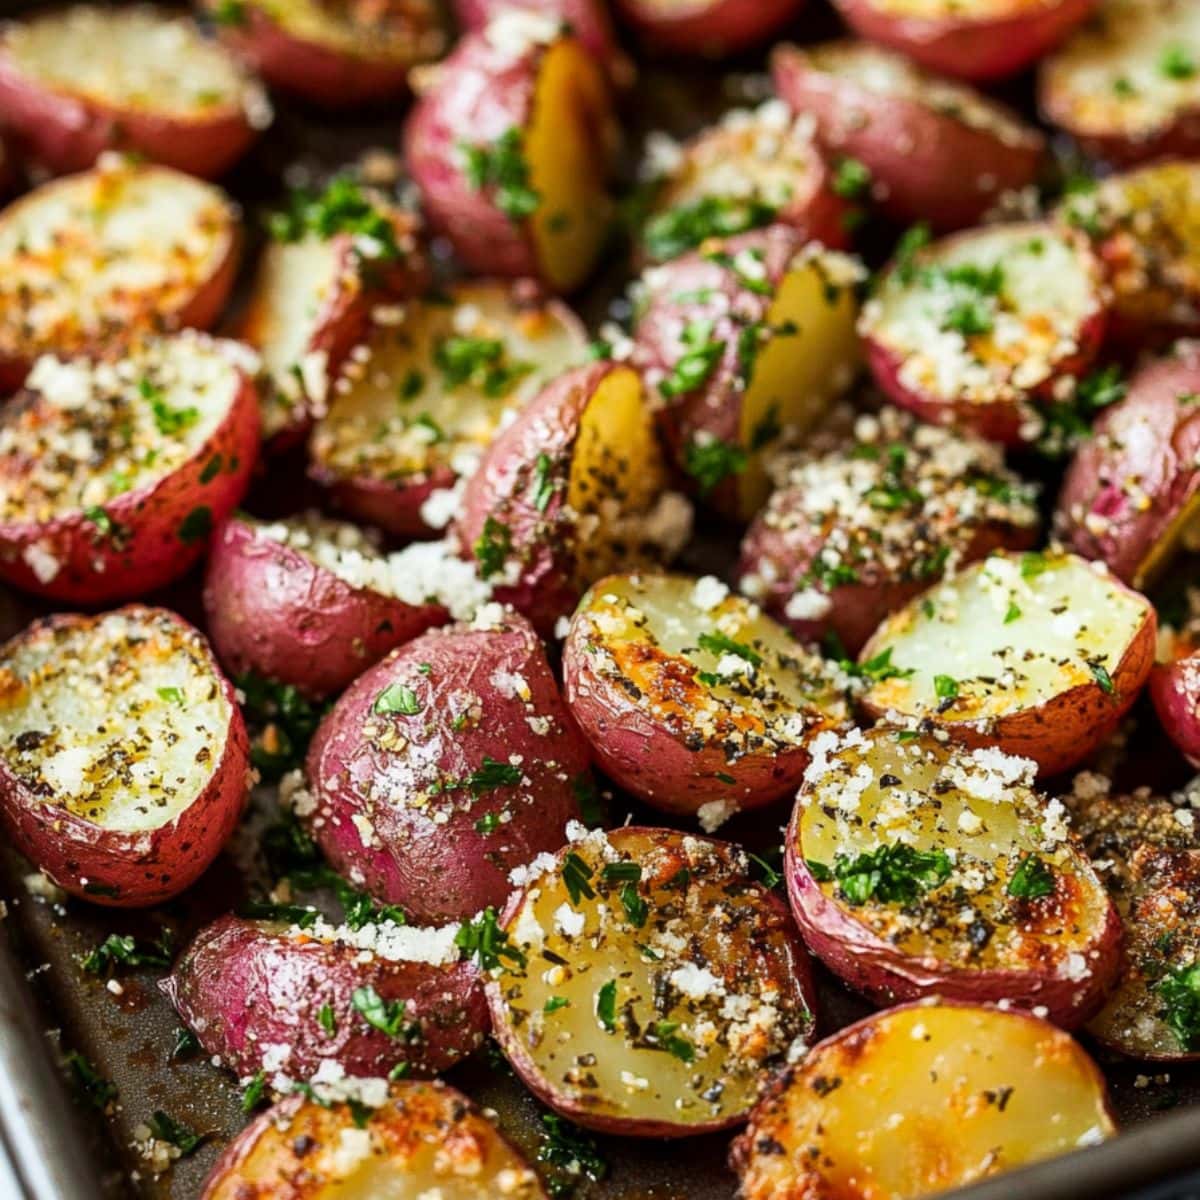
(1152, 437)
(272, 610)
(97, 568)
(450, 871)
(393, 507)
(241, 987)
(1175, 691)
(873, 965)
(132, 870)
(710, 28)
(930, 164)
(980, 50)
(67, 133)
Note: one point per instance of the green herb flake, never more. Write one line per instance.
(484, 941)
(664, 1035)
(1180, 994)
(492, 547)
(677, 230)
(91, 1085)
(166, 1128)
(710, 463)
(606, 1006)
(125, 950)
(398, 698)
(171, 695)
(946, 687)
(701, 354)
(488, 823)
(1031, 880)
(891, 874)
(255, 1092)
(851, 179)
(554, 1003)
(1177, 63)
(1102, 677)
(577, 876)
(98, 517)
(543, 483)
(502, 166)
(342, 208)
(388, 1016)
(327, 1020)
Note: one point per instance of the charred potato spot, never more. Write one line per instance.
(920, 1100)
(657, 983)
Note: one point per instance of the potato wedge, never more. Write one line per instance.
(569, 491)
(708, 28)
(746, 341)
(124, 763)
(934, 150)
(421, 1140)
(1039, 655)
(675, 980)
(918, 868)
(1126, 85)
(976, 329)
(91, 260)
(418, 406)
(159, 89)
(856, 532)
(691, 698)
(510, 144)
(1132, 490)
(920, 1100)
(755, 167)
(335, 55)
(113, 473)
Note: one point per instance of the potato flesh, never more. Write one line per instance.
(376, 429)
(711, 934)
(131, 716)
(924, 1099)
(979, 808)
(1012, 632)
(565, 146)
(404, 38)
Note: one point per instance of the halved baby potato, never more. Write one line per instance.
(510, 144)
(755, 167)
(419, 404)
(648, 982)
(1126, 85)
(920, 1100)
(124, 763)
(569, 491)
(1039, 655)
(691, 698)
(854, 532)
(77, 81)
(419, 1140)
(926, 148)
(89, 261)
(336, 55)
(916, 868)
(114, 472)
(976, 329)
(746, 341)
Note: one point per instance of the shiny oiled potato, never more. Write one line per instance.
(1039, 655)
(647, 982)
(919, 868)
(919, 1100)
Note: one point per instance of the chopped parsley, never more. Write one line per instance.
(170, 420)
(720, 644)
(166, 1128)
(1102, 677)
(186, 1042)
(663, 1035)
(890, 874)
(1033, 564)
(255, 1092)
(1177, 62)
(606, 1005)
(342, 207)
(877, 669)
(1180, 994)
(388, 1016)
(484, 941)
(282, 722)
(1068, 422)
(577, 877)
(502, 166)
(851, 179)
(543, 484)
(1031, 880)
(492, 547)
(326, 1019)
(1013, 613)
(171, 695)
(290, 914)
(572, 1151)
(671, 233)
(398, 698)
(711, 463)
(911, 242)
(488, 776)
(91, 1085)
(946, 687)
(488, 823)
(701, 354)
(125, 950)
(98, 517)
(554, 1003)
(481, 362)
(229, 12)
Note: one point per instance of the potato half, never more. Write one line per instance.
(124, 762)
(691, 698)
(920, 1100)
(1039, 655)
(917, 868)
(418, 1141)
(648, 982)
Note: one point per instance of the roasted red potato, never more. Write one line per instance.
(691, 698)
(753, 168)
(114, 472)
(445, 767)
(929, 149)
(1133, 487)
(88, 262)
(306, 601)
(1145, 228)
(983, 40)
(920, 1100)
(125, 763)
(708, 28)
(978, 329)
(419, 404)
(746, 342)
(1127, 85)
(919, 868)
(286, 997)
(421, 1140)
(675, 981)
(77, 81)
(510, 144)
(855, 532)
(332, 258)
(1038, 655)
(571, 490)
(1175, 691)
(337, 55)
